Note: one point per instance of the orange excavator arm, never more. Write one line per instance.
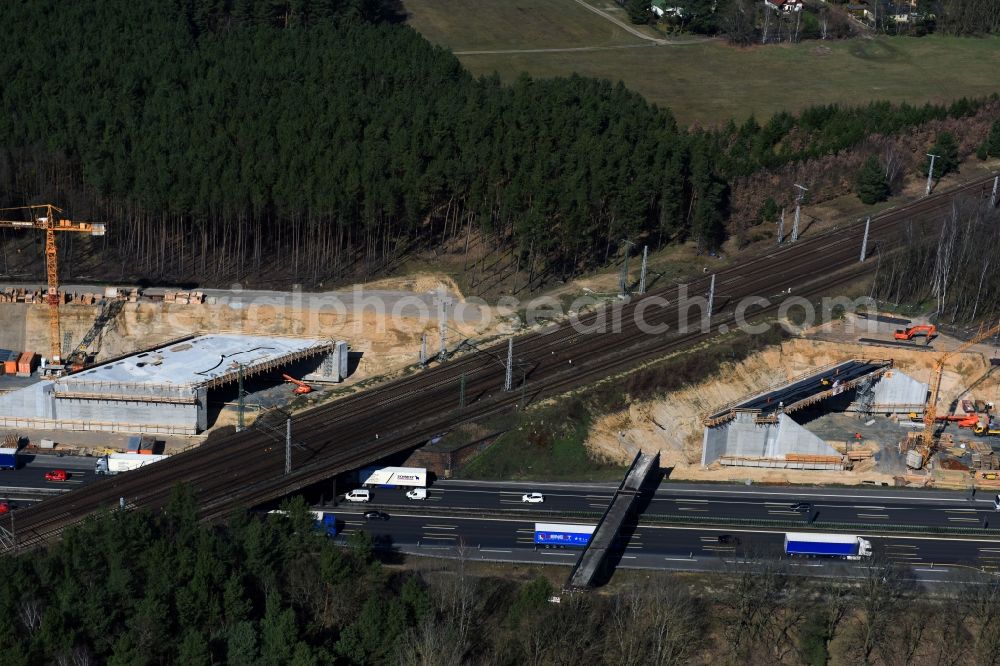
(44, 218)
(301, 388)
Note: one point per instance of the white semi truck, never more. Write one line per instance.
(116, 463)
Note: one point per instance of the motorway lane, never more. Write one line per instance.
(864, 508)
(656, 546)
(27, 483)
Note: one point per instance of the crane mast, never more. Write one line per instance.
(43, 218)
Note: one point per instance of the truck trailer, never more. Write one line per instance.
(8, 458)
(392, 477)
(326, 523)
(116, 463)
(559, 534)
(811, 544)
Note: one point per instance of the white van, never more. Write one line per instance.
(359, 495)
(417, 494)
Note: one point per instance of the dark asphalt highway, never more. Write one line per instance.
(27, 483)
(930, 559)
(866, 508)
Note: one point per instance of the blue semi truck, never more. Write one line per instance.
(326, 523)
(559, 534)
(8, 458)
(812, 544)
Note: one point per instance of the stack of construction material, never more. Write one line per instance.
(184, 297)
(26, 364)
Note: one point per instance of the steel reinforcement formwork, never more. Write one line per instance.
(802, 391)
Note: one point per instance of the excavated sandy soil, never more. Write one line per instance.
(386, 343)
(672, 424)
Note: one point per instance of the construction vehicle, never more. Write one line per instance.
(990, 429)
(930, 413)
(963, 420)
(83, 356)
(301, 388)
(929, 331)
(43, 218)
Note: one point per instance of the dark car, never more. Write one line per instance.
(801, 506)
(376, 515)
(729, 540)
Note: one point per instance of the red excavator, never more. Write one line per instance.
(929, 331)
(301, 388)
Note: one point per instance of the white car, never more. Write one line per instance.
(417, 494)
(533, 498)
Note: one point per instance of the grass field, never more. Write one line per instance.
(709, 82)
(465, 25)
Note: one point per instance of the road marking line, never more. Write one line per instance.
(903, 545)
(693, 501)
(549, 552)
(439, 536)
(440, 527)
(785, 513)
(873, 515)
(628, 557)
(494, 550)
(933, 570)
(690, 508)
(681, 559)
(874, 508)
(963, 520)
(960, 510)
(990, 550)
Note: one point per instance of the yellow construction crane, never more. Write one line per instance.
(43, 218)
(930, 413)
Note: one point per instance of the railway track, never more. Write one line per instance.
(245, 469)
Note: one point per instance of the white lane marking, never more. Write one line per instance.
(873, 515)
(495, 550)
(628, 557)
(681, 559)
(440, 527)
(549, 552)
(440, 537)
(874, 508)
(960, 510)
(932, 570)
(963, 520)
(700, 501)
(690, 508)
